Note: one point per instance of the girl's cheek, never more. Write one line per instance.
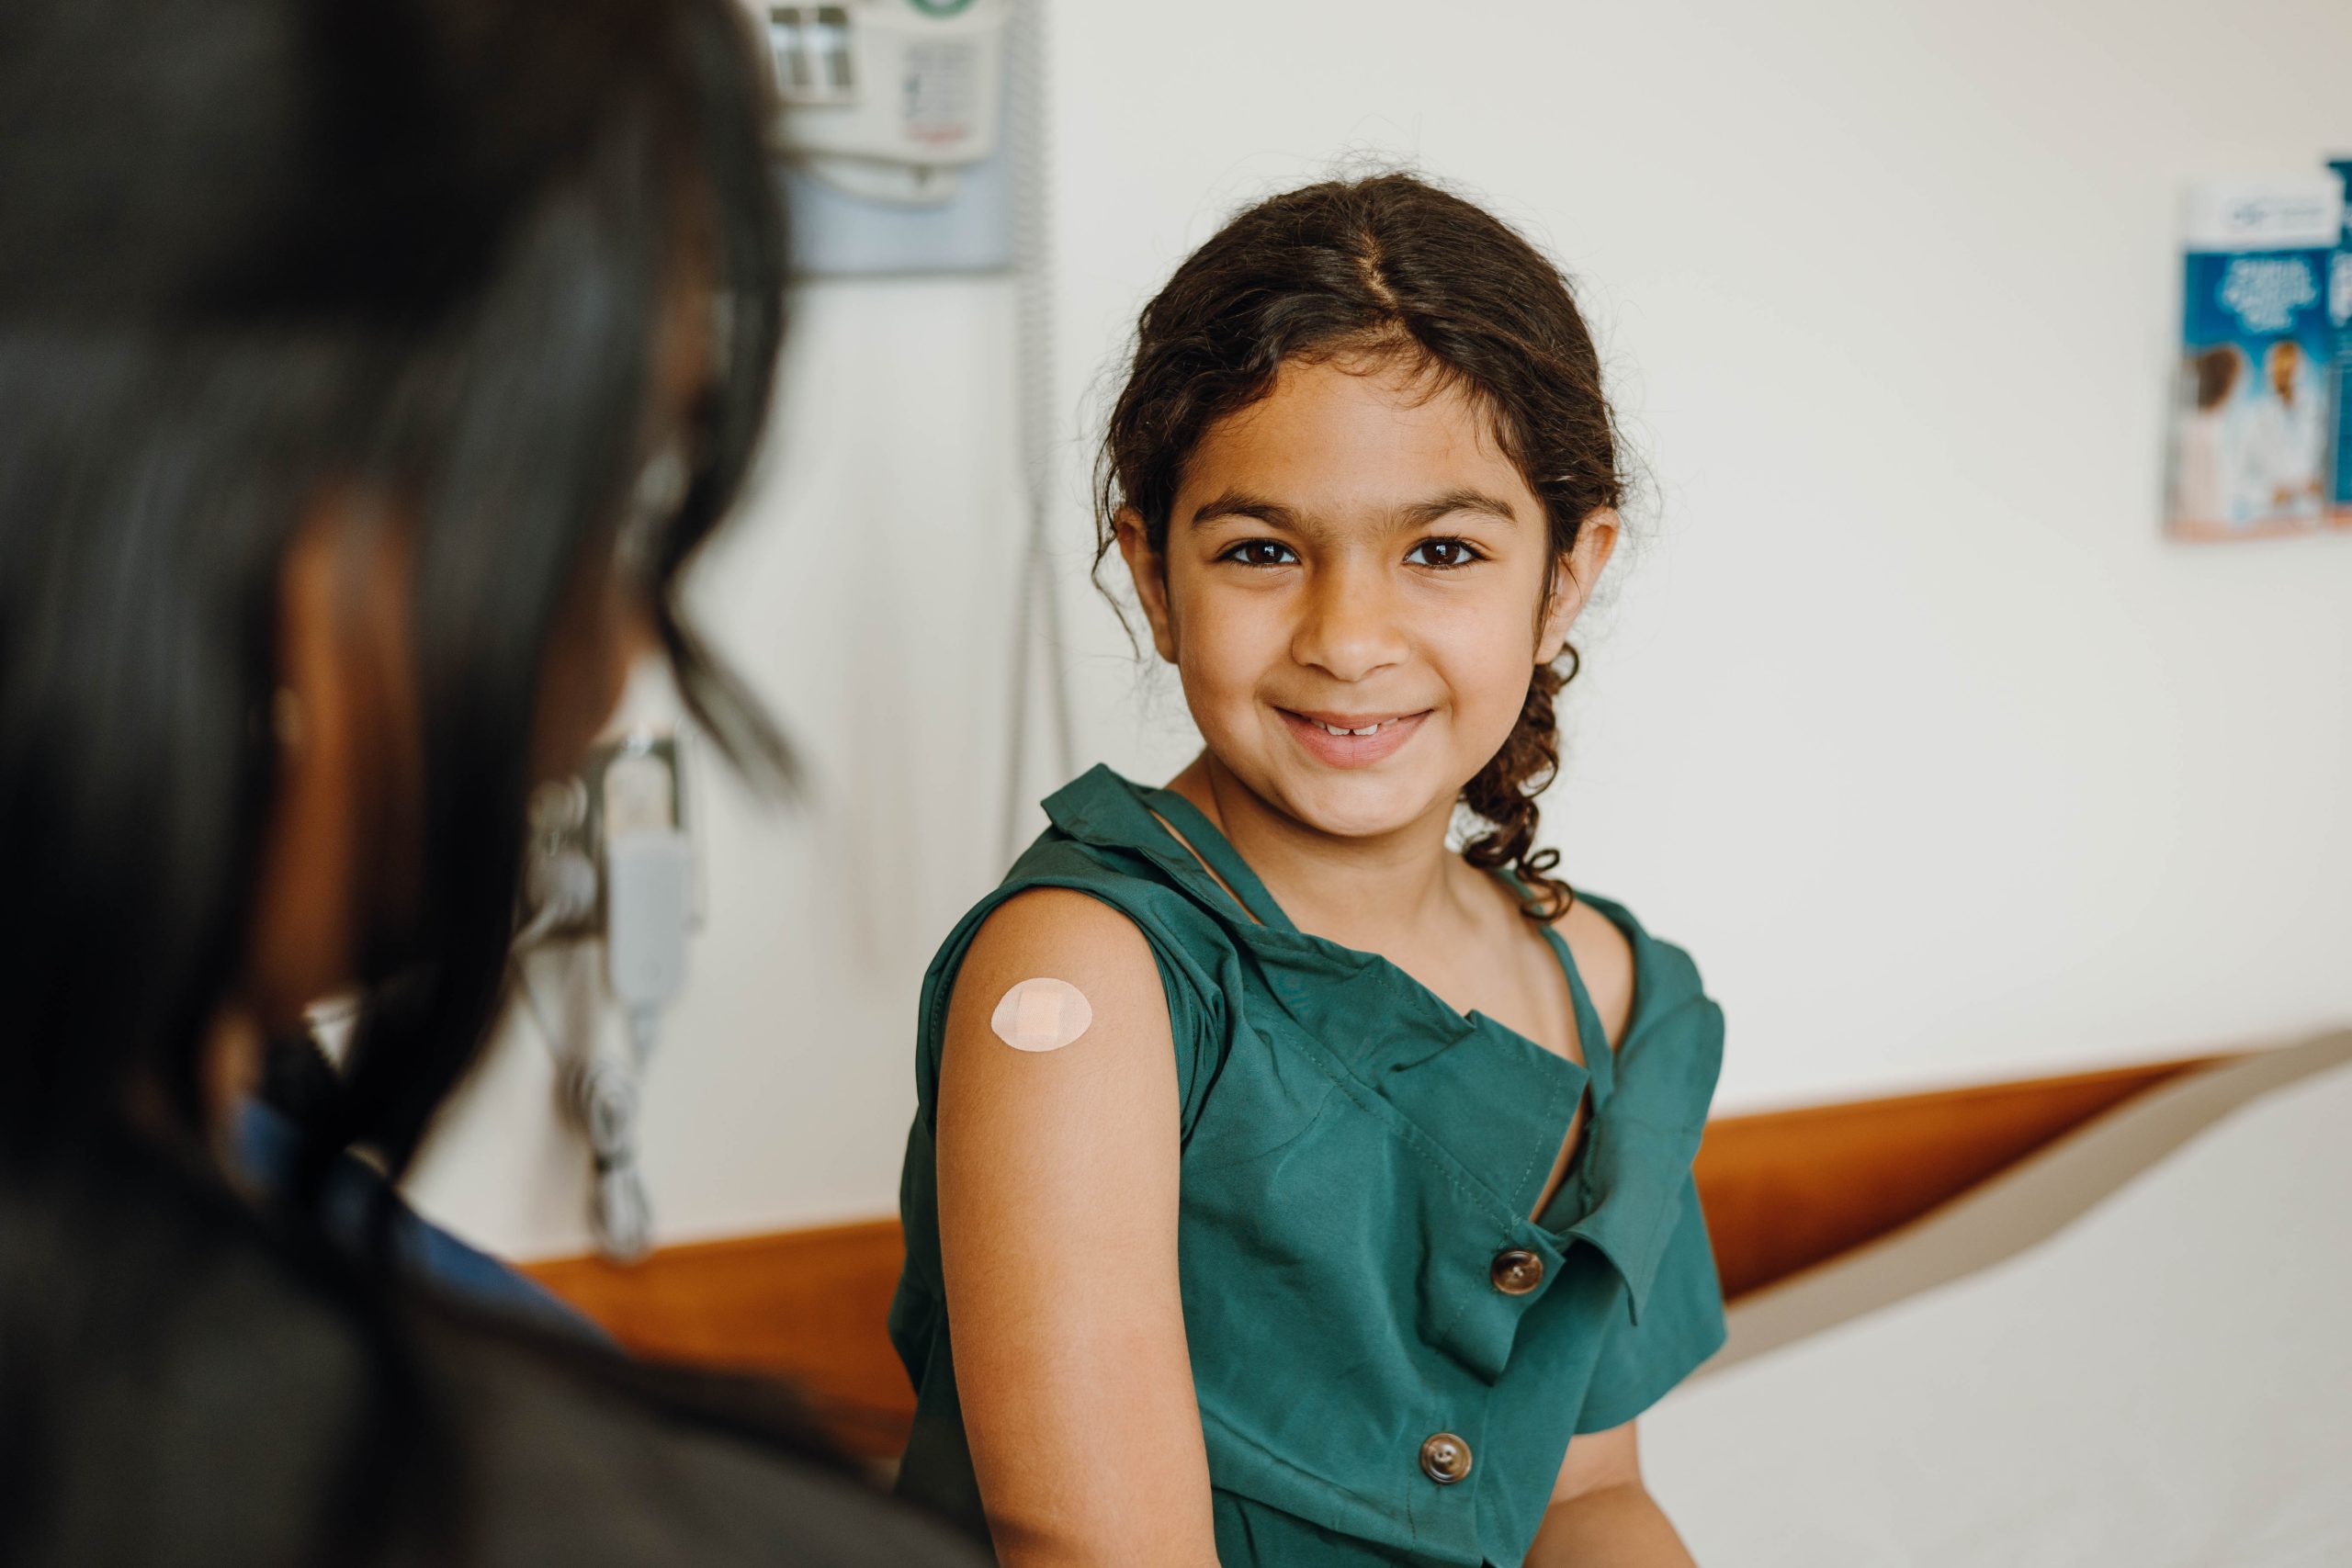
(1225, 638)
(1485, 668)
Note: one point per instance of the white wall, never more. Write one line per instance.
(1901, 716)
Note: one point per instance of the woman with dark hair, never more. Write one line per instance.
(1302, 1189)
(369, 374)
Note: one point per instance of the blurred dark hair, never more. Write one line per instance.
(1380, 269)
(260, 253)
(2214, 371)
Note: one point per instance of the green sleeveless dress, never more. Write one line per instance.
(1390, 1355)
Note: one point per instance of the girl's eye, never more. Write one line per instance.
(1259, 552)
(1444, 553)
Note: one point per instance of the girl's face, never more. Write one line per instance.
(1356, 553)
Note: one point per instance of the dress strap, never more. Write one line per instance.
(1211, 847)
(1599, 1056)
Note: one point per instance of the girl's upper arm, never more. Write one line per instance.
(1057, 1206)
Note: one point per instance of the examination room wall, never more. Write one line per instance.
(1899, 713)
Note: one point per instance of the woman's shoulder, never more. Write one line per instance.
(286, 1394)
(572, 1466)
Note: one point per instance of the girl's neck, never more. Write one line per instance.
(1364, 893)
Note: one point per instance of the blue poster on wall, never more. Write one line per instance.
(2339, 313)
(2255, 420)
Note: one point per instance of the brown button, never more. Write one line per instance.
(1516, 1271)
(1445, 1459)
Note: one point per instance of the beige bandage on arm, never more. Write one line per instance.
(1041, 1014)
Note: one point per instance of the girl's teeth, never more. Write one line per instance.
(1367, 729)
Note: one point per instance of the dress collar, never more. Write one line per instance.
(1650, 1090)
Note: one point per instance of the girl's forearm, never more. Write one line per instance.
(1608, 1527)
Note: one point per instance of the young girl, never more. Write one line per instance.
(1289, 1187)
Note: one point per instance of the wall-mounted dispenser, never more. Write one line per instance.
(889, 99)
(889, 120)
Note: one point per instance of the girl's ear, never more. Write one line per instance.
(1572, 584)
(1149, 570)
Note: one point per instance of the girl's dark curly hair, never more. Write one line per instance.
(1384, 267)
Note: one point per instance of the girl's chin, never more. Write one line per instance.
(1360, 806)
(1347, 799)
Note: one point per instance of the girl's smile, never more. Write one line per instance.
(1352, 740)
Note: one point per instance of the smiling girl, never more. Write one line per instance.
(1301, 1188)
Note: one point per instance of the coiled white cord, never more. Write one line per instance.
(603, 1098)
(647, 898)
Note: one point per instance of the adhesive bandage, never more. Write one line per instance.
(1041, 1014)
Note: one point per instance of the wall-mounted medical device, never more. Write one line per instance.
(890, 123)
(889, 99)
(610, 864)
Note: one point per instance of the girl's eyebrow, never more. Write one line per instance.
(1417, 515)
(1240, 504)
(1422, 513)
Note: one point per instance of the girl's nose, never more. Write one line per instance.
(1347, 627)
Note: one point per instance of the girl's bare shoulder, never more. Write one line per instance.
(1605, 959)
(1064, 934)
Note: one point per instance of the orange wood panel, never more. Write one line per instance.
(1782, 1191)
(1787, 1189)
(808, 1306)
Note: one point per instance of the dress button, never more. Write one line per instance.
(1445, 1459)
(1516, 1271)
